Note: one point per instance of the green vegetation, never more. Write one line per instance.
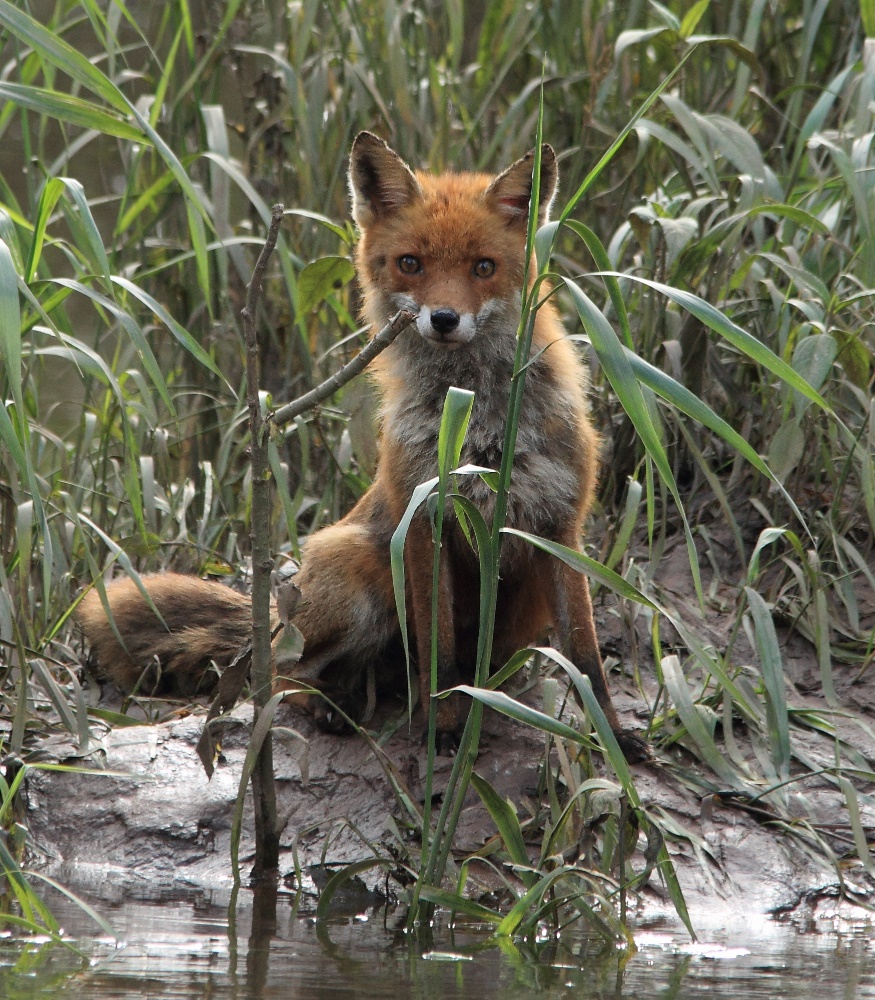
(730, 332)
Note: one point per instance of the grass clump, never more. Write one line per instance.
(720, 261)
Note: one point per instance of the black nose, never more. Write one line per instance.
(444, 320)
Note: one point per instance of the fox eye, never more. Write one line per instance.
(408, 264)
(484, 268)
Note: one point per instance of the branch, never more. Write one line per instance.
(398, 323)
(263, 789)
(254, 290)
(264, 792)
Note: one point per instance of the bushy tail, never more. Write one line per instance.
(202, 621)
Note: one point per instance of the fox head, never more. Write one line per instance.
(451, 247)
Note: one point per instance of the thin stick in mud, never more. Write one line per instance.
(264, 794)
(263, 788)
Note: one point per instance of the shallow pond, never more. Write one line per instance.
(197, 945)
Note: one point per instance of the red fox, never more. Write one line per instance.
(451, 248)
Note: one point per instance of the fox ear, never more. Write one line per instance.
(511, 191)
(380, 182)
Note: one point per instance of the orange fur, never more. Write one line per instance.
(201, 622)
(452, 248)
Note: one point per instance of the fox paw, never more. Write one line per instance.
(635, 748)
(330, 720)
(446, 742)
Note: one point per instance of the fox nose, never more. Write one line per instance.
(444, 320)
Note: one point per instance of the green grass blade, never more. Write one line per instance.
(133, 330)
(505, 818)
(195, 212)
(93, 239)
(454, 426)
(634, 492)
(73, 110)
(821, 629)
(747, 344)
(498, 701)
(619, 373)
(472, 517)
(527, 901)
(550, 846)
(861, 841)
(179, 333)
(55, 695)
(84, 906)
(518, 660)
(679, 691)
(396, 556)
(608, 741)
(340, 878)
(48, 199)
(681, 397)
(611, 151)
(676, 893)
(603, 263)
(584, 564)
(687, 402)
(9, 437)
(61, 54)
(459, 904)
(160, 94)
(10, 326)
(16, 434)
(766, 537)
(321, 278)
(772, 669)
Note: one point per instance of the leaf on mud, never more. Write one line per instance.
(228, 691)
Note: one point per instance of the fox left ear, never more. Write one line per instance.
(380, 182)
(511, 191)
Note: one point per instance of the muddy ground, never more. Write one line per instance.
(155, 819)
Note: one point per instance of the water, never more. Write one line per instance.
(185, 946)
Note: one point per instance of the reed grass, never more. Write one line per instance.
(717, 253)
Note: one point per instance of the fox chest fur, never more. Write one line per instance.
(549, 468)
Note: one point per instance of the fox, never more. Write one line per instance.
(451, 249)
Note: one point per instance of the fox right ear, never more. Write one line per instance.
(380, 182)
(511, 191)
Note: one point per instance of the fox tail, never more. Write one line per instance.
(199, 622)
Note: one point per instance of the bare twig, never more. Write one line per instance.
(264, 792)
(399, 322)
(263, 788)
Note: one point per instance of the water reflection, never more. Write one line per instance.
(267, 944)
